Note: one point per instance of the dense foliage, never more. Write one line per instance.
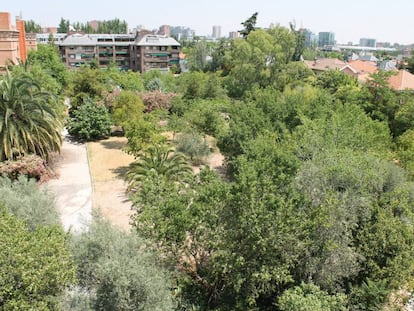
(90, 121)
(313, 209)
(36, 265)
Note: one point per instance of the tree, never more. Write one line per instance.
(193, 145)
(31, 26)
(36, 265)
(141, 134)
(184, 223)
(90, 121)
(87, 84)
(165, 163)
(249, 25)
(47, 57)
(300, 42)
(258, 60)
(28, 123)
(63, 26)
(128, 108)
(405, 151)
(404, 119)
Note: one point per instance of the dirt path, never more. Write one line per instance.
(108, 164)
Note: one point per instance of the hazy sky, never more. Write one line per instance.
(391, 21)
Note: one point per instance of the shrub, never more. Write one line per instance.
(35, 265)
(24, 199)
(118, 271)
(32, 166)
(90, 121)
(309, 297)
(194, 146)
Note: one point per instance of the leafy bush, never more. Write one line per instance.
(31, 166)
(24, 199)
(370, 296)
(194, 146)
(118, 271)
(90, 121)
(309, 297)
(35, 265)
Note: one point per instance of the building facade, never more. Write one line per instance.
(326, 39)
(369, 42)
(128, 51)
(12, 42)
(216, 32)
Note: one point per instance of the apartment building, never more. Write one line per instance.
(155, 52)
(127, 51)
(79, 49)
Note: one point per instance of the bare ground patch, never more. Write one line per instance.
(108, 164)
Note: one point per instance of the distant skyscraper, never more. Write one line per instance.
(326, 39)
(369, 42)
(234, 34)
(216, 32)
(164, 30)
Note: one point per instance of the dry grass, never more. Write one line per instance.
(108, 165)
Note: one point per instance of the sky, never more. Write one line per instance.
(350, 20)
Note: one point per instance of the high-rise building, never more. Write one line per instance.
(326, 39)
(368, 42)
(216, 32)
(164, 30)
(234, 34)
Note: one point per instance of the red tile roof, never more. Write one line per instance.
(402, 81)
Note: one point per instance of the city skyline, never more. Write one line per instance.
(350, 21)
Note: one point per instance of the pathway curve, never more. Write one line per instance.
(72, 187)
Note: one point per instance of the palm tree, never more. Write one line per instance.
(165, 163)
(28, 123)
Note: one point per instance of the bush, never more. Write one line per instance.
(32, 166)
(90, 121)
(309, 297)
(24, 199)
(35, 265)
(194, 146)
(118, 271)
